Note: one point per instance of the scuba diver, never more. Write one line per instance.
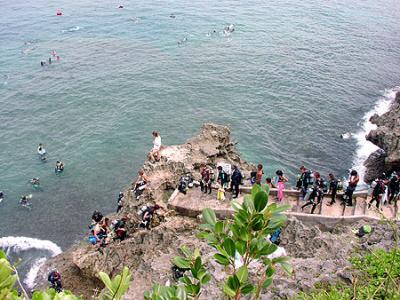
(317, 191)
(236, 180)
(59, 167)
(54, 278)
(42, 152)
(353, 181)
(305, 183)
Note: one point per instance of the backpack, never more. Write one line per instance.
(276, 237)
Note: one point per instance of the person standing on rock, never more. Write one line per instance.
(317, 192)
(205, 182)
(393, 188)
(236, 179)
(353, 181)
(154, 154)
(280, 182)
(333, 185)
(305, 183)
(259, 174)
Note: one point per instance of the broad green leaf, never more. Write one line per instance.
(270, 271)
(287, 267)
(281, 208)
(228, 291)
(186, 251)
(233, 282)
(219, 227)
(248, 204)
(223, 260)
(241, 247)
(247, 289)
(181, 262)
(260, 201)
(209, 216)
(229, 246)
(268, 249)
(106, 280)
(267, 283)
(205, 279)
(236, 205)
(255, 189)
(242, 274)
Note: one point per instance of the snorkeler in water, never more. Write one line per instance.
(24, 201)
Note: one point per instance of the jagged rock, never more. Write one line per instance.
(320, 254)
(386, 137)
(375, 165)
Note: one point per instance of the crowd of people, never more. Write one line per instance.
(312, 186)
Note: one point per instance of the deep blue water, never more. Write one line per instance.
(290, 78)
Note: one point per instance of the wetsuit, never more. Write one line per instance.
(235, 182)
(333, 183)
(393, 188)
(205, 182)
(317, 192)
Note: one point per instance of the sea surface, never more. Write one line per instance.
(290, 79)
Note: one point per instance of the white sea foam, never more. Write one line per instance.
(20, 243)
(364, 147)
(30, 277)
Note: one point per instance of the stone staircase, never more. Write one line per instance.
(195, 201)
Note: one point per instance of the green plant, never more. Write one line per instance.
(245, 237)
(115, 288)
(9, 279)
(190, 286)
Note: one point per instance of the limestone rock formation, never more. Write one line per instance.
(320, 253)
(386, 137)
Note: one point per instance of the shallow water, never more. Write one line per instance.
(289, 80)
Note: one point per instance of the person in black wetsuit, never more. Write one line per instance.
(236, 179)
(333, 185)
(316, 194)
(393, 188)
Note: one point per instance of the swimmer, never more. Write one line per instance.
(120, 6)
(172, 16)
(24, 201)
(35, 182)
(59, 13)
(345, 135)
(229, 29)
(42, 152)
(182, 41)
(59, 167)
(1, 196)
(42, 63)
(49, 60)
(58, 58)
(53, 53)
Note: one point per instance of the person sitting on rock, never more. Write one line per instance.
(118, 227)
(140, 183)
(154, 154)
(205, 182)
(54, 278)
(148, 216)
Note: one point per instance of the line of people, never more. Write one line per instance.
(385, 190)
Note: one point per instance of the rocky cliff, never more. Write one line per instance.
(387, 138)
(319, 253)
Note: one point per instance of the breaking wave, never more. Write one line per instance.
(364, 147)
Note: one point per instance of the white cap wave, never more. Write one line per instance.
(20, 243)
(365, 148)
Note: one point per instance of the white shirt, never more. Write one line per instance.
(157, 143)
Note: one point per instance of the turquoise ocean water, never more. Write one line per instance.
(289, 80)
